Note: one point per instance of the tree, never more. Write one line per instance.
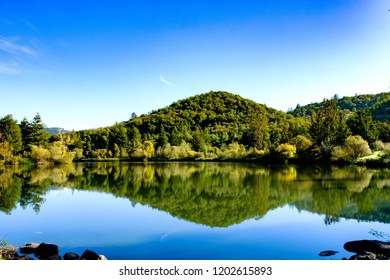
(148, 148)
(38, 135)
(258, 133)
(328, 125)
(10, 132)
(198, 140)
(286, 150)
(25, 128)
(362, 124)
(118, 136)
(5, 152)
(176, 137)
(354, 147)
(163, 139)
(134, 137)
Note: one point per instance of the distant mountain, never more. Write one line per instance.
(55, 130)
(379, 104)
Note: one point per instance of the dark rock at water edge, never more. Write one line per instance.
(8, 252)
(364, 256)
(89, 255)
(373, 246)
(328, 253)
(45, 251)
(28, 249)
(54, 258)
(71, 256)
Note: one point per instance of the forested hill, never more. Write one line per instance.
(378, 104)
(217, 118)
(214, 125)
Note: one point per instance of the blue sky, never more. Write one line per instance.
(88, 64)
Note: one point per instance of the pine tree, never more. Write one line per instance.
(362, 124)
(10, 132)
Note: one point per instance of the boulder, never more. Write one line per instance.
(71, 256)
(28, 249)
(54, 258)
(24, 258)
(89, 255)
(373, 246)
(9, 253)
(44, 251)
(364, 256)
(327, 253)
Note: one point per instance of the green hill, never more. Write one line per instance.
(220, 117)
(379, 104)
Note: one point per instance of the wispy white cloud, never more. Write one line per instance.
(11, 45)
(29, 24)
(167, 82)
(9, 69)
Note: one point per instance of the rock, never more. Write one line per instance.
(102, 258)
(71, 256)
(9, 253)
(25, 258)
(89, 255)
(28, 249)
(327, 253)
(44, 251)
(364, 256)
(54, 258)
(373, 246)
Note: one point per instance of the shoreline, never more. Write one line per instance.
(363, 249)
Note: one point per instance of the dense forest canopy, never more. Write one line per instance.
(215, 126)
(378, 104)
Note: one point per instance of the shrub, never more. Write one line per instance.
(354, 148)
(286, 150)
(39, 154)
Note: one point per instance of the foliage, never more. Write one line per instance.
(361, 123)
(11, 133)
(286, 150)
(39, 154)
(354, 148)
(214, 125)
(303, 146)
(377, 103)
(34, 133)
(328, 126)
(258, 129)
(5, 151)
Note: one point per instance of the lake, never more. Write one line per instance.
(195, 210)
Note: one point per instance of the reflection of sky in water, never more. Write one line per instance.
(76, 220)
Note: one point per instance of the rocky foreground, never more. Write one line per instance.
(44, 251)
(364, 250)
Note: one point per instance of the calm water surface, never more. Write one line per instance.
(195, 210)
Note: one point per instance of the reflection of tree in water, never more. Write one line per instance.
(383, 236)
(210, 193)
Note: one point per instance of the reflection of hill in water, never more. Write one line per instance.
(214, 194)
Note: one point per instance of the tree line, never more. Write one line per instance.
(210, 126)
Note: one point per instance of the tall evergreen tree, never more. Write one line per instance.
(163, 139)
(362, 124)
(10, 132)
(135, 138)
(328, 125)
(38, 135)
(258, 132)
